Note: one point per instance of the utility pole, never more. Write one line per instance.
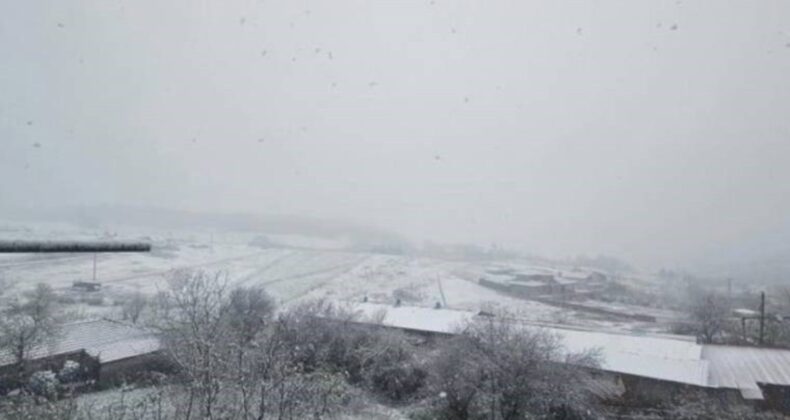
(762, 316)
(71, 247)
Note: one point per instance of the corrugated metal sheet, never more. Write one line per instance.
(650, 357)
(743, 368)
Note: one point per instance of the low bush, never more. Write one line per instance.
(44, 383)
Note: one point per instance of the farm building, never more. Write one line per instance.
(647, 367)
(499, 282)
(114, 350)
(543, 283)
(538, 277)
(525, 284)
(531, 287)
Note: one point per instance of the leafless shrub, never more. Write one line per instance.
(709, 312)
(196, 337)
(406, 295)
(698, 405)
(236, 360)
(329, 338)
(133, 307)
(65, 299)
(29, 407)
(497, 370)
(93, 300)
(29, 323)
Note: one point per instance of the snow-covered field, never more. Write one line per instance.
(290, 274)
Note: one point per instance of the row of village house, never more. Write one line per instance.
(644, 366)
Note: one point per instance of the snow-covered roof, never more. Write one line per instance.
(413, 318)
(658, 358)
(745, 312)
(664, 358)
(108, 340)
(645, 356)
(743, 368)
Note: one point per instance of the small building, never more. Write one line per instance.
(648, 367)
(529, 285)
(564, 286)
(495, 281)
(120, 351)
(86, 286)
(531, 288)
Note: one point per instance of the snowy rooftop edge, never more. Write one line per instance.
(656, 357)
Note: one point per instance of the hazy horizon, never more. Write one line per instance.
(655, 132)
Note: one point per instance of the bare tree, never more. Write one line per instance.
(456, 378)
(195, 336)
(697, 404)
(250, 311)
(28, 323)
(237, 361)
(499, 371)
(134, 307)
(709, 312)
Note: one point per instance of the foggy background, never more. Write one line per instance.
(654, 131)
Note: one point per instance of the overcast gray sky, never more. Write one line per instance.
(656, 131)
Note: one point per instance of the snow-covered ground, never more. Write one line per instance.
(290, 274)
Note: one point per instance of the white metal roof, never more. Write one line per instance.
(651, 357)
(414, 318)
(657, 357)
(744, 368)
